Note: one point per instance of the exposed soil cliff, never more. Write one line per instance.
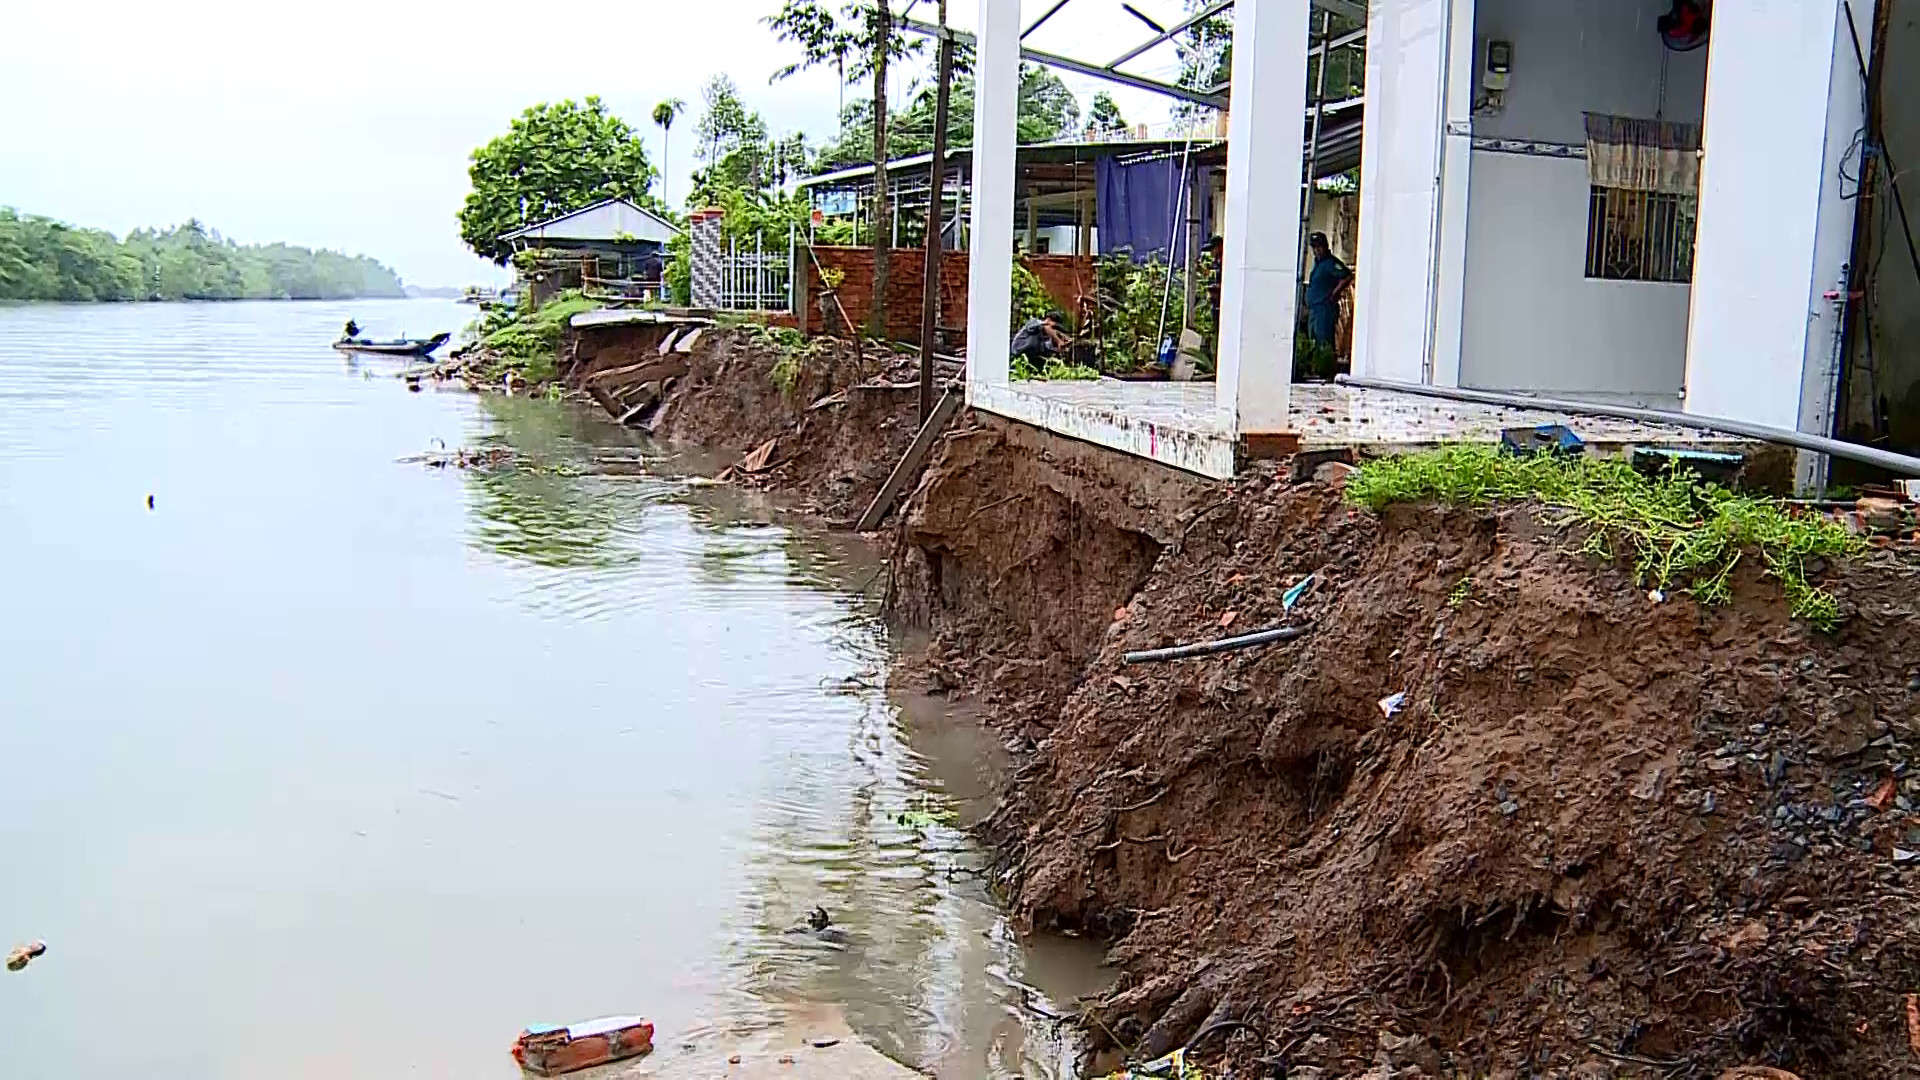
(1500, 812)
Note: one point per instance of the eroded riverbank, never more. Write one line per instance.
(1503, 812)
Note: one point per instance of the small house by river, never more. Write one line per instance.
(615, 249)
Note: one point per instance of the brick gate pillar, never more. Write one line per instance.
(704, 263)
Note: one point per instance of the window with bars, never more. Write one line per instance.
(1640, 235)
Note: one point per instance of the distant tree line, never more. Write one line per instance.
(44, 259)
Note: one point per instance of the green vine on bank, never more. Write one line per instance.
(795, 349)
(529, 344)
(1677, 530)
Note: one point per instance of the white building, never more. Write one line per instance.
(1534, 217)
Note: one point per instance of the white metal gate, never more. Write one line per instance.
(756, 278)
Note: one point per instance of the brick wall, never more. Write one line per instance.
(1066, 277)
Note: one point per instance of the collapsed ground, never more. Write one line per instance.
(1502, 811)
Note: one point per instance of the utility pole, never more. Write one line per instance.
(1313, 152)
(930, 300)
(882, 240)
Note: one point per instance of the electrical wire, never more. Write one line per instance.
(1176, 218)
(1857, 150)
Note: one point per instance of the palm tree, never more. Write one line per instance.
(663, 115)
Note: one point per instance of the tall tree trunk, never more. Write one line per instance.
(882, 233)
(936, 201)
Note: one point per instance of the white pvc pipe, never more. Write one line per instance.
(1820, 444)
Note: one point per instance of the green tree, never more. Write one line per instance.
(1048, 111)
(1206, 56)
(789, 158)
(664, 114)
(733, 140)
(858, 41)
(1103, 116)
(43, 259)
(552, 160)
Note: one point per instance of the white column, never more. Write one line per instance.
(1456, 162)
(1398, 284)
(1783, 105)
(996, 97)
(1265, 160)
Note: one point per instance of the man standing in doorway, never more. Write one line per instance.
(1326, 282)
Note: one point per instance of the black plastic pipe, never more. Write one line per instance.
(1204, 648)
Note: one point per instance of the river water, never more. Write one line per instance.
(329, 765)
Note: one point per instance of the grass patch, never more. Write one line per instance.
(1679, 531)
(1054, 370)
(795, 350)
(1461, 594)
(530, 344)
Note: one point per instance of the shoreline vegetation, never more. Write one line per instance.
(44, 259)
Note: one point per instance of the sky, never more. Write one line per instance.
(347, 125)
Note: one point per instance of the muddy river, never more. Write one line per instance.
(327, 765)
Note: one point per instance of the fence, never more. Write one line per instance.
(622, 290)
(756, 278)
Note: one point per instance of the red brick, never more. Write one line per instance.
(1067, 278)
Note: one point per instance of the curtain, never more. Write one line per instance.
(1643, 155)
(1137, 206)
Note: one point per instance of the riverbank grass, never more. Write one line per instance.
(1678, 531)
(529, 344)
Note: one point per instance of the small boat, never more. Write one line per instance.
(395, 347)
(551, 1051)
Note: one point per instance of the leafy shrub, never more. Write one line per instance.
(530, 343)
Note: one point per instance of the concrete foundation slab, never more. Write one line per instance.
(1178, 424)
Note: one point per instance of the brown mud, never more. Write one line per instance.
(823, 426)
(1501, 812)
(1600, 835)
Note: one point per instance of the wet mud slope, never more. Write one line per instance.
(1499, 813)
(827, 423)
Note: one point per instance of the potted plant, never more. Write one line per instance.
(828, 302)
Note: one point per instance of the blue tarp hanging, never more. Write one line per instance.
(1139, 207)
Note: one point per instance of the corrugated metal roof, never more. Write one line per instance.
(608, 219)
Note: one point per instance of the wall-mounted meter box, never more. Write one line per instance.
(1499, 64)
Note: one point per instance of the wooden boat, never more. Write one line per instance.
(395, 347)
(551, 1051)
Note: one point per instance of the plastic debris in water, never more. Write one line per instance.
(1393, 703)
(23, 955)
(1292, 596)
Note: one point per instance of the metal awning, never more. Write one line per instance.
(1340, 133)
(1215, 97)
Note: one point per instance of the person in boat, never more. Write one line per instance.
(350, 331)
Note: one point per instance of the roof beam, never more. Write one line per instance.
(1351, 37)
(1081, 67)
(1346, 9)
(1048, 14)
(1175, 30)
